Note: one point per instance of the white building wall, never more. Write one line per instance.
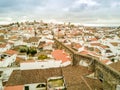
(33, 86)
(48, 47)
(18, 43)
(66, 63)
(40, 65)
(8, 61)
(5, 49)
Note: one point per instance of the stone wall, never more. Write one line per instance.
(106, 74)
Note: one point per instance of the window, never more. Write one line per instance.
(42, 65)
(41, 86)
(26, 87)
(100, 77)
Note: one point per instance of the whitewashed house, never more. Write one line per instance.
(8, 58)
(40, 64)
(32, 42)
(4, 47)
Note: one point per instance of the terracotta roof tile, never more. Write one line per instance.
(19, 60)
(93, 39)
(11, 52)
(104, 46)
(20, 87)
(115, 65)
(28, 61)
(106, 61)
(60, 55)
(21, 77)
(95, 44)
(74, 77)
(33, 39)
(115, 43)
(13, 37)
(84, 52)
(3, 45)
(77, 46)
(15, 28)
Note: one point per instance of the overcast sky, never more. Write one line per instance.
(76, 11)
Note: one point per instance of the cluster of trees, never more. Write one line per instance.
(28, 50)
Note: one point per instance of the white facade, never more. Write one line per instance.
(118, 87)
(18, 42)
(24, 56)
(33, 86)
(48, 47)
(114, 49)
(4, 49)
(66, 63)
(40, 65)
(8, 61)
(43, 64)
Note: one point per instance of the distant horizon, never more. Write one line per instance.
(55, 22)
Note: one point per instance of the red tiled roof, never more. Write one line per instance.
(77, 45)
(106, 61)
(20, 87)
(13, 37)
(104, 46)
(22, 77)
(19, 60)
(11, 52)
(87, 52)
(28, 61)
(14, 28)
(48, 43)
(94, 53)
(3, 45)
(60, 55)
(84, 52)
(75, 77)
(93, 39)
(115, 43)
(95, 44)
(30, 28)
(115, 65)
(32, 39)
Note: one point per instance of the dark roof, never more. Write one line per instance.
(94, 83)
(19, 60)
(33, 39)
(75, 77)
(2, 39)
(1, 72)
(21, 77)
(115, 65)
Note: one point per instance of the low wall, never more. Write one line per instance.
(111, 77)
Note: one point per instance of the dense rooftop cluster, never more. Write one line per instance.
(28, 49)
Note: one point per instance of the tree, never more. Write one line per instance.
(113, 60)
(18, 24)
(28, 50)
(33, 51)
(23, 49)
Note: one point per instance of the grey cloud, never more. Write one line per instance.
(49, 9)
(20, 5)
